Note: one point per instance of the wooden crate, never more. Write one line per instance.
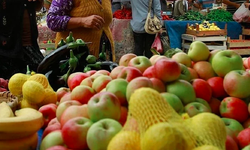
(213, 42)
(241, 46)
(221, 32)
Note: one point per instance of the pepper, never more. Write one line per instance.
(61, 43)
(86, 69)
(70, 38)
(91, 59)
(102, 55)
(73, 61)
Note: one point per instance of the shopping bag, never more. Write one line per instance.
(242, 14)
(157, 45)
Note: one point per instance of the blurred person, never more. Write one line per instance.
(180, 8)
(88, 20)
(18, 36)
(143, 41)
(205, 4)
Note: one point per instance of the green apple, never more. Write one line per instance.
(174, 101)
(204, 102)
(104, 105)
(140, 62)
(195, 108)
(100, 133)
(233, 124)
(183, 89)
(182, 58)
(198, 51)
(185, 73)
(237, 83)
(246, 148)
(52, 139)
(118, 87)
(225, 61)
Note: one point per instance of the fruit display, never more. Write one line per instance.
(189, 101)
(204, 26)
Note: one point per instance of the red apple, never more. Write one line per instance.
(246, 124)
(140, 62)
(53, 121)
(202, 89)
(129, 73)
(235, 108)
(91, 72)
(119, 88)
(101, 82)
(66, 97)
(82, 93)
(215, 105)
(150, 72)
(195, 108)
(153, 61)
(137, 83)
(74, 132)
(167, 70)
(124, 114)
(193, 73)
(204, 70)
(63, 106)
(51, 128)
(244, 138)
(216, 84)
(104, 105)
(114, 73)
(74, 111)
(87, 81)
(237, 83)
(61, 92)
(57, 147)
(231, 144)
(75, 79)
(158, 85)
(49, 113)
(124, 60)
(52, 139)
(103, 72)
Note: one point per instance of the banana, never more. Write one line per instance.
(26, 122)
(5, 111)
(26, 143)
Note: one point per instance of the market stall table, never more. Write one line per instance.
(176, 28)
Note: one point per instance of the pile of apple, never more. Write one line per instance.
(94, 107)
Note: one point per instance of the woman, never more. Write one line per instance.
(18, 36)
(143, 40)
(87, 19)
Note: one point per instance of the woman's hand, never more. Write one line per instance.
(93, 21)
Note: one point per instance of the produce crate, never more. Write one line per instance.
(213, 42)
(241, 46)
(245, 32)
(221, 32)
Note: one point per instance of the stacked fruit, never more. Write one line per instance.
(19, 130)
(33, 90)
(204, 26)
(194, 84)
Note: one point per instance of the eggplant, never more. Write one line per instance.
(108, 65)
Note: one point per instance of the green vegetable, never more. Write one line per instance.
(154, 51)
(91, 59)
(97, 65)
(80, 41)
(61, 43)
(70, 38)
(73, 61)
(102, 55)
(72, 45)
(169, 53)
(86, 69)
(28, 70)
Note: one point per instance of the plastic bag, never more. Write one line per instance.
(157, 45)
(242, 14)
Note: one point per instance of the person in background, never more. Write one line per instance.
(192, 5)
(143, 41)
(233, 5)
(205, 4)
(116, 5)
(163, 5)
(88, 20)
(18, 36)
(180, 8)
